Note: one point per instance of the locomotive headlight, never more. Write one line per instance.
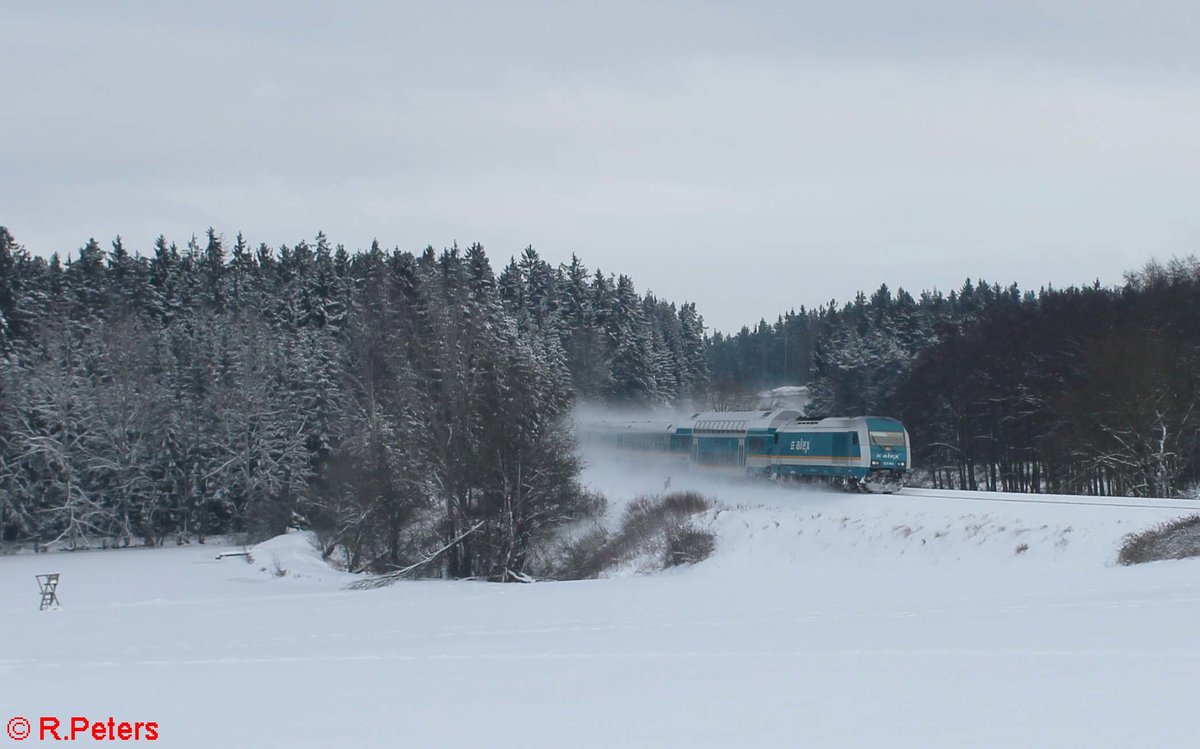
(874, 462)
(901, 464)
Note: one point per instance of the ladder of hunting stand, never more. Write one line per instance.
(49, 586)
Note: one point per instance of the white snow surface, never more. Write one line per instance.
(823, 619)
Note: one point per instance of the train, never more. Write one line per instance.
(863, 453)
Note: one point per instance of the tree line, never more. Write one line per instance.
(1089, 389)
(408, 406)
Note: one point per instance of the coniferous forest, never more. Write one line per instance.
(1087, 390)
(410, 407)
(403, 405)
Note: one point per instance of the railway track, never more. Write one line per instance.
(1180, 505)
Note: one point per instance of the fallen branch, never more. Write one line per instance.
(516, 577)
(381, 581)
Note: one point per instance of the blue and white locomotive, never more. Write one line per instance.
(870, 453)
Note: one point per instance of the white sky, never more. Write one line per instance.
(750, 159)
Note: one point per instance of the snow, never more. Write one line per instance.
(823, 619)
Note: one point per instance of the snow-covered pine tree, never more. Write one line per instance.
(629, 340)
(582, 339)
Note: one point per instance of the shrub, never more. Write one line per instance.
(685, 503)
(584, 558)
(688, 546)
(653, 527)
(1174, 539)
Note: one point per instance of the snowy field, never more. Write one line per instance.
(824, 619)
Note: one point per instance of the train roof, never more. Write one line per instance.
(842, 422)
(641, 426)
(740, 421)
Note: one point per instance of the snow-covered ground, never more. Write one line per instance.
(824, 619)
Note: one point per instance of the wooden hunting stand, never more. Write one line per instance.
(49, 586)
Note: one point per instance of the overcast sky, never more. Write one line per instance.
(752, 159)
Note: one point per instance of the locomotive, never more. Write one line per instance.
(865, 453)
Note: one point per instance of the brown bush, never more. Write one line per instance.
(1174, 539)
(688, 546)
(686, 503)
(656, 526)
(584, 558)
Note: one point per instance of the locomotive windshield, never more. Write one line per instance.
(888, 439)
